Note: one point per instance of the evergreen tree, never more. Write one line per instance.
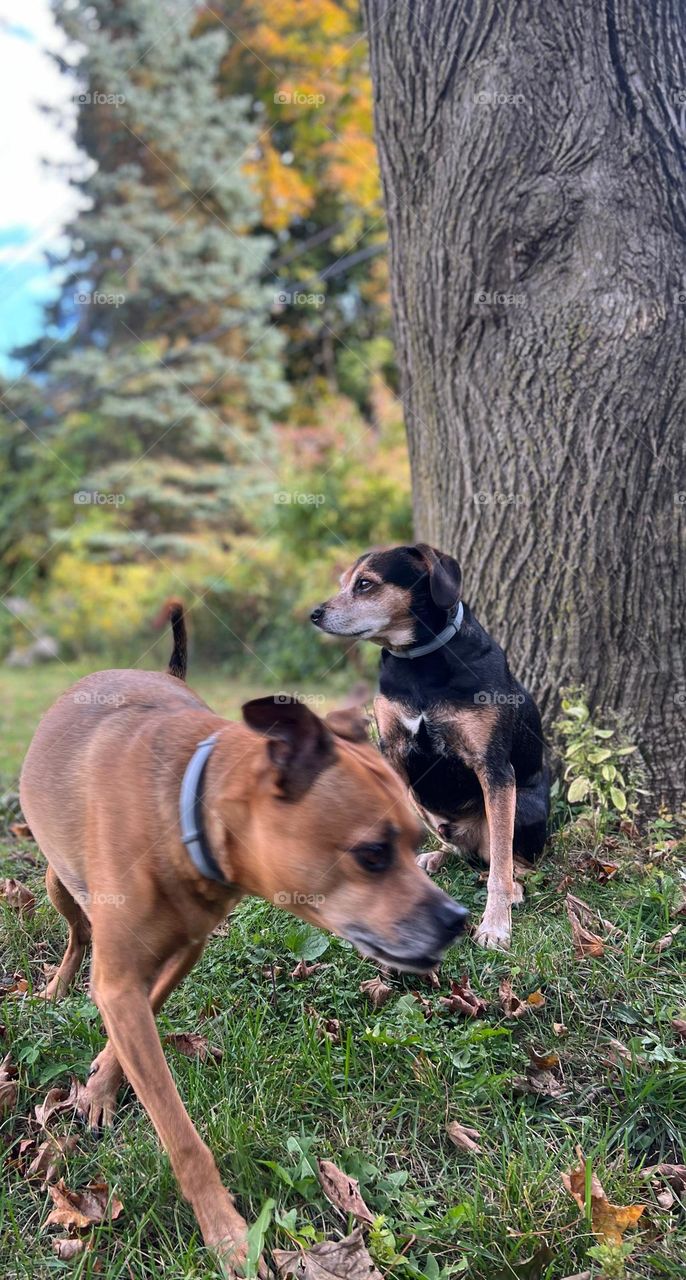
(164, 389)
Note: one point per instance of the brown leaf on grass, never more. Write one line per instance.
(15, 986)
(542, 1060)
(79, 1209)
(511, 1004)
(18, 897)
(679, 1027)
(304, 970)
(342, 1191)
(192, 1045)
(346, 1259)
(376, 991)
(463, 1137)
(536, 1000)
(603, 870)
(543, 1083)
(585, 942)
(326, 1027)
(67, 1248)
(49, 1158)
(675, 1175)
(560, 1029)
(622, 1053)
(8, 1086)
(608, 1221)
(20, 830)
(424, 1004)
(663, 943)
(590, 917)
(57, 1100)
(463, 1000)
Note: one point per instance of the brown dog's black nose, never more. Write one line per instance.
(317, 614)
(451, 919)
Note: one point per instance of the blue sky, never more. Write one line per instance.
(35, 201)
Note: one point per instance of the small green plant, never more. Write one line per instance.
(595, 773)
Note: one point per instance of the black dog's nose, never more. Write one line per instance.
(317, 614)
(451, 918)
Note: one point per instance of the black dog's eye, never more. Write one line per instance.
(373, 857)
(363, 584)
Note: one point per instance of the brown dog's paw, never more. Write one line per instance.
(97, 1101)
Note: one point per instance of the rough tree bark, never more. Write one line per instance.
(532, 155)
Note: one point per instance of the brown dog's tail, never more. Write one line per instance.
(172, 612)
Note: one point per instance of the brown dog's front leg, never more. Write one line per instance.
(98, 1100)
(130, 1023)
(500, 797)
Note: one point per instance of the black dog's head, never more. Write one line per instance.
(395, 597)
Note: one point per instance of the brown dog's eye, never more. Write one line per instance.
(373, 857)
(363, 584)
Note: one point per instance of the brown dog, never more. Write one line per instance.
(298, 811)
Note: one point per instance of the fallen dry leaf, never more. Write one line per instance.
(57, 1100)
(536, 1000)
(432, 978)
(542, 1060)
(679, 1027)
(543, 1083)
(675, 1175)
(463, 1137)
(560, 1029)
(590, 917)
(608, 1221)
(342, 1191)
(79, 1209)
(665, 1199)
(622, 1053)
(9, 1091)
(67, 1248)
(376, 991)
(329, 1027)
(18, 897)
(424, 1004)
(512, 1006)
(346, 1259)
(603, 870)
(20, 830)
(49, 1158)
(585, 942)
(192, 1045)
(663, 943)
(16, 986)
(304, 970)
(463, 1000)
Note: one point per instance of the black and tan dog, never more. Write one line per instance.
(458, 727)
(156, 816)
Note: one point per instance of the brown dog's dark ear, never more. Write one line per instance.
(300, 745)
(445, 576)
(350, 723)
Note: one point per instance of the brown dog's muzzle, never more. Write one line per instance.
(419, 939)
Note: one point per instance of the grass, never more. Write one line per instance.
(377, 1101)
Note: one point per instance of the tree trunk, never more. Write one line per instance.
(532, 156)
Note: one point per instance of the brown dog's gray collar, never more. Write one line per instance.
(420, 650)
(190, 813)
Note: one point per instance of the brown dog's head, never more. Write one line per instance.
(330, 837)
(397, 597)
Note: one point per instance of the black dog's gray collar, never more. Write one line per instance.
(190, 813)
(420, 650)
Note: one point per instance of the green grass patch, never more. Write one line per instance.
(377, 1099)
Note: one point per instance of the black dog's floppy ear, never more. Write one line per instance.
(445, 576)
(300, 745)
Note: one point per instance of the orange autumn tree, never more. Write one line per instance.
(305, 65)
